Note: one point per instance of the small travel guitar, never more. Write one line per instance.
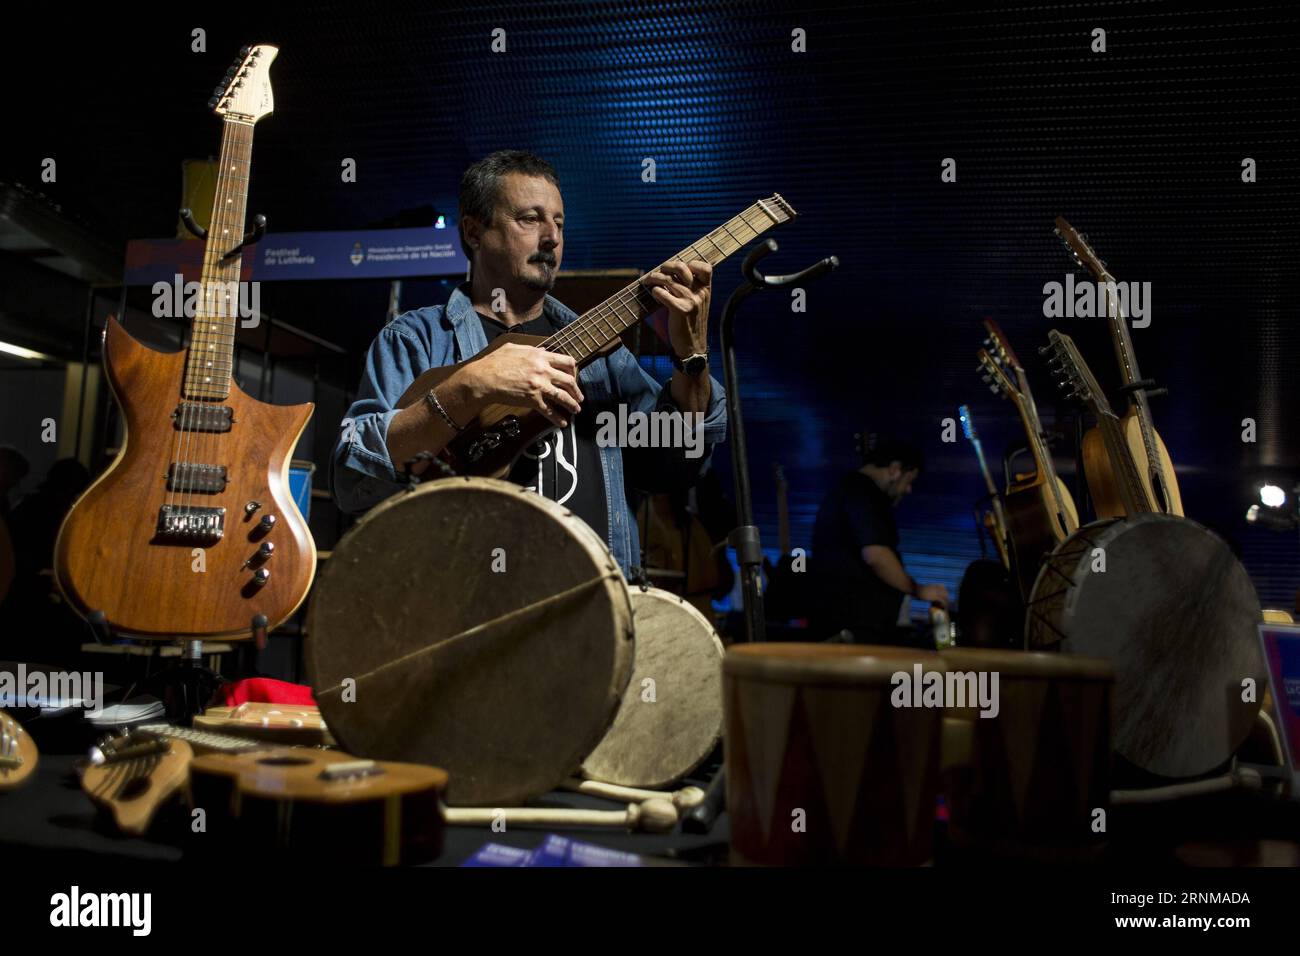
(320, 805)
(1156, 470)
(192, 532)
(132, 775)
(18, 754)
(1040, 511)
(489, 445)
(994, 520)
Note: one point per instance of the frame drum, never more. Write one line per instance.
(671, 716)
(1027, 779)
(1168, 603)
(476, 626)
(821, 767)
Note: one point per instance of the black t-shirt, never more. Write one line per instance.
(854, 515)
(567, 459)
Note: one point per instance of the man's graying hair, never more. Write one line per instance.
(480, 187)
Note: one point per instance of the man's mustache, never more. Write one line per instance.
(547, 257)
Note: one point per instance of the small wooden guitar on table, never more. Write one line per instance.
(1155, 468)
(133, 775)
(1040, 511)
(18, 754)
(489, 445)
(203, 471)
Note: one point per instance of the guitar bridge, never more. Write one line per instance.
(185, 523)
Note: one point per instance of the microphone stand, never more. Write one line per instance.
(745, 538)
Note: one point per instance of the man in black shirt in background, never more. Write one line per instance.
(860, 582)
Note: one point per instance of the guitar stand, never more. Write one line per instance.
(250, 239)
(745, 538)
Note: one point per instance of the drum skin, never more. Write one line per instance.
(821, 768)
(1175, 612)
(484, 630)
(671, 715)
(1028, 779)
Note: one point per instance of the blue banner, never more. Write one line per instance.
(361, 254)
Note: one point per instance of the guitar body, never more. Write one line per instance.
(283, 804)
(491, 443)
(1103, 483)
(1034, 528)
(110, 556)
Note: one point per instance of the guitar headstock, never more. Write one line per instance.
(967, 423)
(245, 91)
(996, 377)
(778, 208)
(1077, 245)
(999, 346)
(18, 754)
(1076, 379)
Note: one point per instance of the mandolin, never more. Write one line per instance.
(1154, 466)
(18, 754)
(489, 444)
(192, 531)
(1040, 511)
(994, 521)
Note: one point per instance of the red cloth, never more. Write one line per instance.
(264, 690)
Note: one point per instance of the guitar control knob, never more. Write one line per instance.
(267, 522)
(266, 550)
(251, 506)
(261, 576)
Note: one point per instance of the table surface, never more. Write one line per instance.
(50, 818)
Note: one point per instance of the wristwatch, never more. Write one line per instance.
(693, 364)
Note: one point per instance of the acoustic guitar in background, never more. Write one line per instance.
(1154, 467)
(192, 531)
(1040, 511)
(994, 520)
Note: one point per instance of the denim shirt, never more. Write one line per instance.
(362, 474)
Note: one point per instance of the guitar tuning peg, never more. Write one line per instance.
(212, 103)
(994, 389)
(244, 50)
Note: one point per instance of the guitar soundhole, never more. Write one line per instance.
(285, 761)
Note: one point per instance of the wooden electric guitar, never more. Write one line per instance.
(489, 445)
(1156, 470)
(1040, 511)
(994, 521)
(1078, 383)
(192, 531)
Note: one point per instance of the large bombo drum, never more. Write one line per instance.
(1026, 757)
(822, 768)
(1168, 603)
(476, 626)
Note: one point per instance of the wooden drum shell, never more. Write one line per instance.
(811, 728)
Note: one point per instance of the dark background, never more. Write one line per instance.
(1140, 147)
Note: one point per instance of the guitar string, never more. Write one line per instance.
(211, 254)
(188, 385)
(573, 333)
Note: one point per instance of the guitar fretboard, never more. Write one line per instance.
(210, 362)
(594, 330)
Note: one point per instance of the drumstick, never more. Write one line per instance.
(682, 799)
(653, 816)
